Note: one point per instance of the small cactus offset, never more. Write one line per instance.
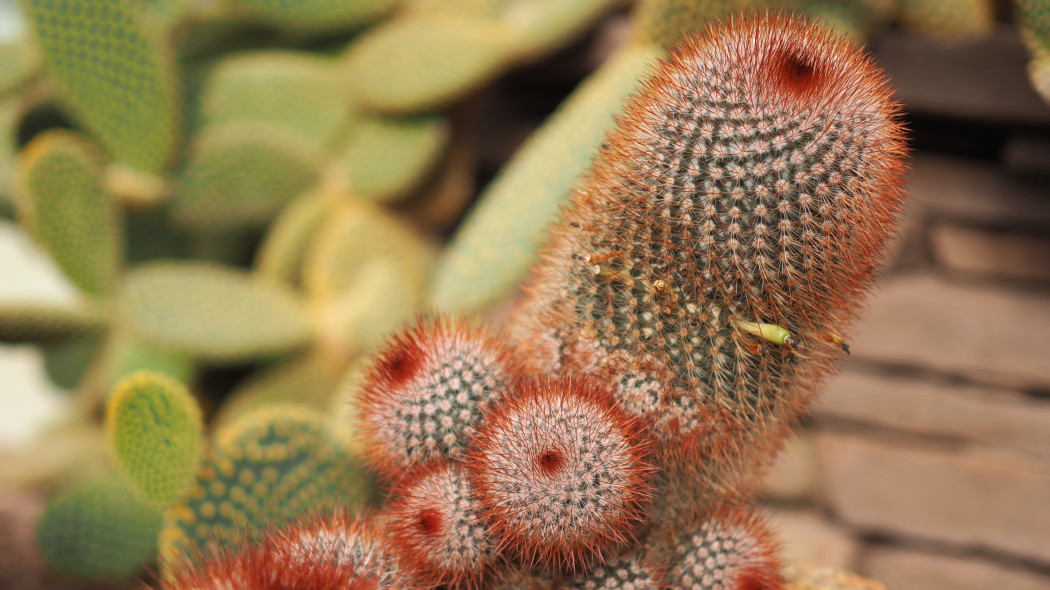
(427, 390)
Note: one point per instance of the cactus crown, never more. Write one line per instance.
(562, 474)
(427, 390)
(437, 530)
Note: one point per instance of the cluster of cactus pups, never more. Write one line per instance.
(690, 301)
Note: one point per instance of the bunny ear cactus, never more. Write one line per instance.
(496, 244)
(1034, 18)
(412, 65)
(240, 173)
(755, 180)
(959, 18)
(265, 467)
(44, 323)
(212, 313)
(155, 434)
(387, 157)
(116, 76)
(314, 16)
(99, 530)
(64, 204)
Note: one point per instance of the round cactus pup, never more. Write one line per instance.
(562, 474)
(426, 392)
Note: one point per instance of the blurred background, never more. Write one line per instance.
(302, 178)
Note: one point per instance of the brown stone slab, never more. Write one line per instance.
(972, 498)
(918, 406)
(988, 334)
(808, 536)
(794, 475)
(904, 568)
(976, 192)
(979, 78)
(1002, 254)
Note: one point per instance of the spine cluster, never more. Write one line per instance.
(690, 302)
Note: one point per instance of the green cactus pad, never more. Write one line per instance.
(308, 380)
(850, 17)
(382, 298)
(958, 18)
(18, 61)
(497, 243)
(108, 64)
(298, 91)
(41, 322)
(543, 26)
(281, 253)
(240, 174)
(214, 313)
(65, 362)
(265, 468)
(666, 22)
(1034, 16)
(316, 15)
(387, 157)
(355, 236)
(130, 355)
(10, 112)
(64, 204)
(536, 27)
(412, 65)
(155, 433)
(99, 530)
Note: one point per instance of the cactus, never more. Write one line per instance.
(760, 194)
(99, 530)
(562, 474)
(388, 157)
(264, 468)
(316, 15)
(211, 312)
(963, 17)
(109, 65)
(323, 551)
(39, 322)
(437, 530)
(280, 257)
(65, 206)
(632, 571)
(155, 433)
(497, 243)
(1034, 19)
(298, 91)
(437, 61)
(426, 391)
(732, 549)
(239, 174)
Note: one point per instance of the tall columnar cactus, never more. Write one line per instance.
(724, 241)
